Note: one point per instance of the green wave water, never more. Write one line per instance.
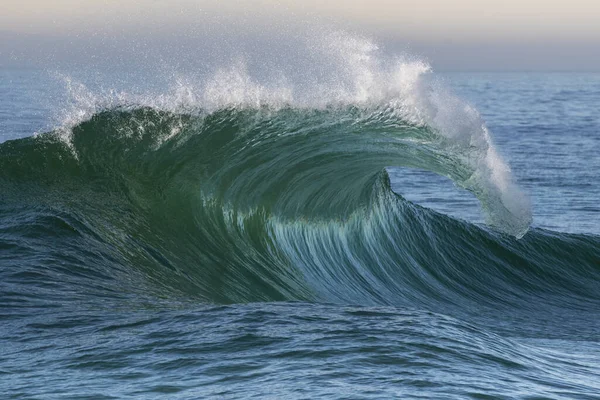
(246, 205)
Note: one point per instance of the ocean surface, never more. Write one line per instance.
(368, 229)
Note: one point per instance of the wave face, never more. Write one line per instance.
(238, 190)
(259, 204)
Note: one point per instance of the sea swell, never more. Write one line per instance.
(247, 204)
(238, 188)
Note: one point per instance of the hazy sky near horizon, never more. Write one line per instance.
(519, 34)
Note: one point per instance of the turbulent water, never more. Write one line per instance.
(242, 240)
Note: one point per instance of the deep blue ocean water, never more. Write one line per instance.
(248, 251)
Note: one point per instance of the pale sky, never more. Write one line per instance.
(546, 31)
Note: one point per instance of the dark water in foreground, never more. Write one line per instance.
(289, 249)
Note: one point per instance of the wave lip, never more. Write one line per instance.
(346, 77)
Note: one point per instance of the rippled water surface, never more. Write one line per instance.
(417, 244)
